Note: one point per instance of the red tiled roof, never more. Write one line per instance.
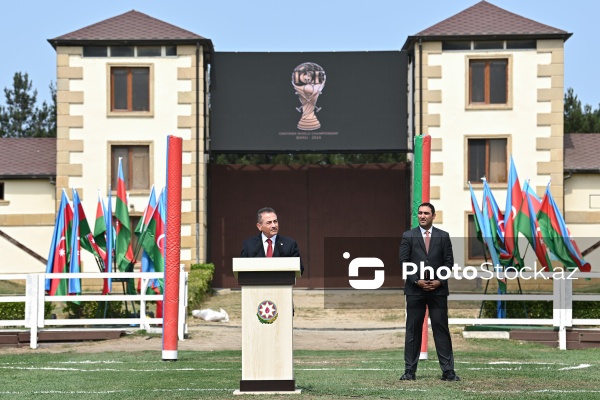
(485, 19)
(132, 26)
(581, 152)
(27, 157)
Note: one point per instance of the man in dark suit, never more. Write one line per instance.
(431, 246)
(269, 243)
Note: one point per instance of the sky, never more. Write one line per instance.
(285, 25)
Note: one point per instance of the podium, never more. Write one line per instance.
(267, 323)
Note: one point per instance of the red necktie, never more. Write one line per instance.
(270, 248)
(427, 239)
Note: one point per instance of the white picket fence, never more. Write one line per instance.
(562, 298)
(35, 298)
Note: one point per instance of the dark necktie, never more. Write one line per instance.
(269, 248)
(427, 239)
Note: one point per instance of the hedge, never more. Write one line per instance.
(199, 284)
(16, 310)
(540, 309)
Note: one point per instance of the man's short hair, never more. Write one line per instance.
(431, 207)
(262, 211)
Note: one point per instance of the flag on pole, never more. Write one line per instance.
(57, 257)
(75, 258)
(514, 199)
(140, 232)
(100, 224)
(421, 177)
(492, 213)
(526, 223)
(477, 216)
(108, 266)
(123, 250)
(557, 236)
(145, 220)
(153, 242)
(492, 232)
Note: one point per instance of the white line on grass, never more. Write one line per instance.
(68, 362)
(346, 369)
(580, 366)
(531, 391)
(29, 367)
(395, 389)
(524, 362)
(119, 370)
(116, 391)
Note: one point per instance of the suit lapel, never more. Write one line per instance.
(260, 249)
(278, 243)
(434, 238)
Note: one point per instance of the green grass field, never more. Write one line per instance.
(490, 369)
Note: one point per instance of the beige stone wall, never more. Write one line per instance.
(429, 119)
(554, 144)
(65, 98)
(196, 124)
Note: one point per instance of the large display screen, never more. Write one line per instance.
(305, 102)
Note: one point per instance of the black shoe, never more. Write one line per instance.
(450, 376)
(408, 376)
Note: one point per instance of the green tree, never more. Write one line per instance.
(20, 117)
(578, 118)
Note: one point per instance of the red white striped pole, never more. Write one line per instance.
(425, 197)
(173, 247)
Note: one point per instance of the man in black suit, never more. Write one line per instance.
(431, 246)
(269, 243)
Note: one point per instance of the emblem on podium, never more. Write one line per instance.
(267, 312)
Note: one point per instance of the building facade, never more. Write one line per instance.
(487, 84)
(124, 85)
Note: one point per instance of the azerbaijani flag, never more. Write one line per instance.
(57, 258)
(527, 224)
(108, 266)
(75, 258)
(492, 232)
(487, 227)
(153, 242)
(477, 216)
(421, 177)
(143, 222)
(492, 213)
(100, 224)
(557, 237)
(514, 199)
(140, 232)
(123, 250)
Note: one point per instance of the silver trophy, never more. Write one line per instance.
(308, 80)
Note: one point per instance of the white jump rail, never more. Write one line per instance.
(562, 302)
(35, 298)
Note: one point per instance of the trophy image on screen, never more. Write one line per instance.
(308, 80)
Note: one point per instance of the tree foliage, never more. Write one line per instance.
(21, 117)
(580, 119)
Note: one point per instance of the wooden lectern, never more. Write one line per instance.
(267, 311)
